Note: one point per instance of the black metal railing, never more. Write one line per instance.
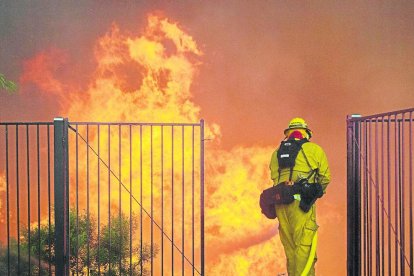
(102, 198)
(380, 194)
(26, 174)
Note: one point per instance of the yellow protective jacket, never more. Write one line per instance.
(317, 160)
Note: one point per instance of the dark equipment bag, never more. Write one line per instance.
(309, 193)
(276, 195)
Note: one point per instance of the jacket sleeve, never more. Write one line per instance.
(273, 166)
(324, 171)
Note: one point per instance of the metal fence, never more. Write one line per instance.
(380, 194)
(86, 198)
(26, 196)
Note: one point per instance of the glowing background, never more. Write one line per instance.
(255, 65)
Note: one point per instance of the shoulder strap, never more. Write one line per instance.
(306, 158)
(309, 165)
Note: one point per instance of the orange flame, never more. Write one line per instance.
(2, 192)
(148, 78)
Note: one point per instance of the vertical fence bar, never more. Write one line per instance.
(360, 158)
(119, 196)
(18, 200)
(377, 196)
(182, 205)
(389, 193)
(61, 169)
(67, 225)
(109, 198)
(202, 193)
(88, 226)
(77, 198)
(353, 202)
(48, 201)
(192, 201)
(140, 195)
(172, 200)
(28, 195)
(162, 200)
(130, 200)
(370, 188)
(364, 158)
(402, 195)
(398, 195)
(410, 160)
(152, 204)
(382, 196)
(362, 161)
(99, 200)
(38, 196)
(7, 200)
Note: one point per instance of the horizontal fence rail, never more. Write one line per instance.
(88, 198)
(380, 194)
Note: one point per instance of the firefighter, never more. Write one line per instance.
(297, 220)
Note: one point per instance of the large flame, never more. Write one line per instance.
(148, 78)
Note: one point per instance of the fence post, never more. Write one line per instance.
(202, 194)
(61, 188)
(353, 198)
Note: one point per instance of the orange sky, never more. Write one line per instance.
(261, 65)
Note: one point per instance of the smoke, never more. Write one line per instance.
(262, 64)
(40, 69)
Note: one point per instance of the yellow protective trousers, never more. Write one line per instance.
(296, 231)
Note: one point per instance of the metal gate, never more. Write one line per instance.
(380, 194)
(85, 198)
